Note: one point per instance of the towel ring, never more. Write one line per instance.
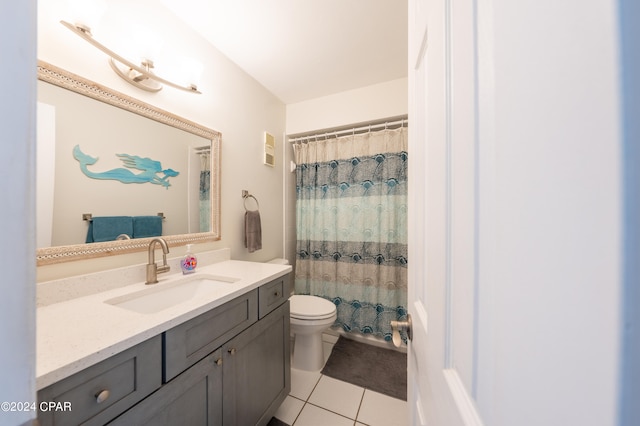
(245, 202)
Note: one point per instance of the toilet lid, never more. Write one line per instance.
(311, 307)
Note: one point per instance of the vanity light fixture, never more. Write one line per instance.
(141, 76)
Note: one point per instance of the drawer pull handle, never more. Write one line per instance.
(276, 294)
(232, 351)
(219, 361)
(102, 396)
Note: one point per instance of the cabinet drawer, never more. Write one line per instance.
(121, 380)
(272, 295)
(188, 343)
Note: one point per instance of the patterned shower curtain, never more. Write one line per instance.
(351, 222)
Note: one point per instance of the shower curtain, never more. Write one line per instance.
(205, 200)
(351, 223)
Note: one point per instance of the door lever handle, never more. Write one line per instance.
(397, 327)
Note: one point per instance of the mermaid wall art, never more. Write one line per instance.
(151, 171)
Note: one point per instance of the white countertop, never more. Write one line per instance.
(75, 334)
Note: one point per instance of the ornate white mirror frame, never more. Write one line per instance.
(67, 253)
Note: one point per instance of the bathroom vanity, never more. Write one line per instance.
(223, 358)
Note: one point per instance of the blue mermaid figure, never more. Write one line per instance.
(150, 169)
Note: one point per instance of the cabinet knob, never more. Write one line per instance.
(219, 361)
(102, 396)
(276, 294)
(232, 351)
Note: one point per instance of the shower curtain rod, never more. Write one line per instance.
(393, 123)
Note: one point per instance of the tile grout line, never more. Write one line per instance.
(326, 409)
(314, 388)
(360, 405)
(306, 401)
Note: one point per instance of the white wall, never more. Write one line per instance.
(231, 102)
(17, 190)
(378, 101)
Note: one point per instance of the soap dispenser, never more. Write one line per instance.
(189, 261)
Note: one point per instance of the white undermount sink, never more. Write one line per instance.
(162, 296)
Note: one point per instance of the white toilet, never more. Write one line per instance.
(310, 316)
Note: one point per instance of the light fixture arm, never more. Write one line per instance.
(85, 33)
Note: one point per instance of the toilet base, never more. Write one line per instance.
(308, 353)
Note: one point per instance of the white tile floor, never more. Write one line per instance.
(320, 400)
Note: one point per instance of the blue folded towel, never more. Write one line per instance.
(147, 226)
(107, 228)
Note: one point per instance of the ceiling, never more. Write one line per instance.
(305, 49)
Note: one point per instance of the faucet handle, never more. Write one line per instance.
(162, 268)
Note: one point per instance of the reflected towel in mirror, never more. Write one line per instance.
(147, 226)
(107, 228)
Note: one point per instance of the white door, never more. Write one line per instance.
(442, 213)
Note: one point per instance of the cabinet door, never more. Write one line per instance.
(256, 370)
(192, 398)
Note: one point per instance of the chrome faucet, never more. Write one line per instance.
(152, 269)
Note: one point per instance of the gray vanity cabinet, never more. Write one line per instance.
(242, 383)
(228, 366)
(256, 370)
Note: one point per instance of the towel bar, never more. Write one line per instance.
(245, 195)
(89, 216)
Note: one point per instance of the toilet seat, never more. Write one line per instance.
(304, 307)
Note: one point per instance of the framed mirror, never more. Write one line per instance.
(104, 154)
